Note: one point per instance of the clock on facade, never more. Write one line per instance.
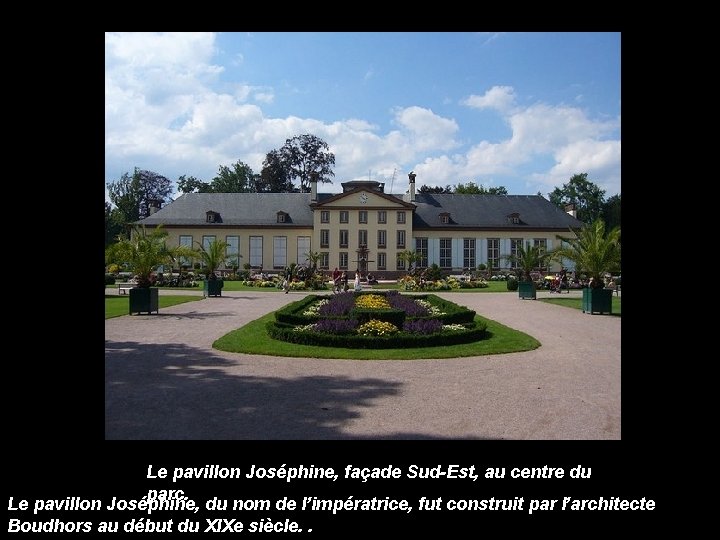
(363, 198)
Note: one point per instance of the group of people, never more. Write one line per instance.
(340, 281)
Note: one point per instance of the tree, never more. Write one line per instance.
(212, 256)
(144, 251)
(529, 258)
(275, 176)
(611, 212)
(593, 251)
(409, 257)
(306, 156)
(471, 188)
(587, 197)
(133, 196)
(125, 195)
(235, 179)
(435, 189)
(113, 224)
(192, 185)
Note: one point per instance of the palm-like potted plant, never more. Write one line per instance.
(528, 258)
(143, 252)
(212, 257)
(595, 252)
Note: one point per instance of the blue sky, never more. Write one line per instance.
(523, 110)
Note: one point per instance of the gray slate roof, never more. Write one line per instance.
(490, 212)
(235, 209)
(466, 211)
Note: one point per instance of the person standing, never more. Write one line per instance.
(336, 280)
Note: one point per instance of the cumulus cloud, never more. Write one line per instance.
(167, 110)
(501, 98)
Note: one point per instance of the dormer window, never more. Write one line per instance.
(212, 217)
(514, 218)
(445, 218)
(283, 217)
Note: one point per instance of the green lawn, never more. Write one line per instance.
(576, 303)
(253, 339)
(115, 306)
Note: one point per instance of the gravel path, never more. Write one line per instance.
(163, 380)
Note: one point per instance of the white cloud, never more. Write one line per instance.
(166, 110)
(501, 98)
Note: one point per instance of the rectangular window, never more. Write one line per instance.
(542, 244)
(344, 214)
(303, 248)
(382, 260)
(493, 252)
(400, 265)
(343, 260)
(446, 253)
(362, 237)
(256, 251)
(401, 217)
(186, 241)
(362, 216)
(344, 235)
(382, 216)
(469, 253)
(401, 239)
(232, 253)
(324, 260)
(207, 240)
(324, 238)
(382, 239)
(324, 216)
(279, 251)
(421, 248)
(515, 245)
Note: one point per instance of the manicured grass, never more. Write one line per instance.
(253, 339)
(576, 303)
(115, 306)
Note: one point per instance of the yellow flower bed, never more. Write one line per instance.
(372, 301)
(377, 328)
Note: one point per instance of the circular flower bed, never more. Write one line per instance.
(372, 320)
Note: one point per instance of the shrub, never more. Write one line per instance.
(109, 279)
(512, 284)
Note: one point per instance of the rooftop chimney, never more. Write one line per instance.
(411, 177)
(153, 206)
(313, 187)
(570, 209)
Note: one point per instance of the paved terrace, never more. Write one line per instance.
(163, 380)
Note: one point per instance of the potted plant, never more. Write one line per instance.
(143, 252)
(212, 257)
(528, 259)
(595, 252)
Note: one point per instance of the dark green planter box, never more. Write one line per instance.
(212, 287)
(144, 300)
(526, 289)
(597, 300)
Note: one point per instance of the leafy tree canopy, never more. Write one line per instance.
(304, 157)
(587, 197)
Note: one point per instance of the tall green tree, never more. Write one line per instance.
(190, 184)
(113, 224)
(611, 212)
(586, 195)
(133, 195)
(238, 178)
(276, 176)
(306, 156)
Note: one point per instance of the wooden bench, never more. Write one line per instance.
(125, 287)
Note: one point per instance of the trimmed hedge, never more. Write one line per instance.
(512, 284)
(393, 316)
(286, 332)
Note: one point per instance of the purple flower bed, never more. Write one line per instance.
(408, 305)
(338, 306)
(423, 326)
(336, 326)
